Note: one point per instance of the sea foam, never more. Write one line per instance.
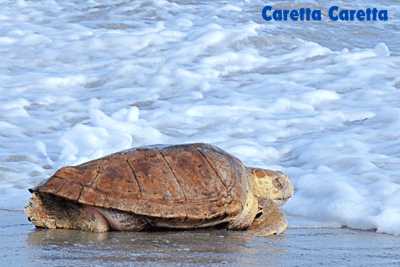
(317, 101)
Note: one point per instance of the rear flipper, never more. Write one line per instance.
(271, 221)
(52, 212)
(123, 221)
(47, 211)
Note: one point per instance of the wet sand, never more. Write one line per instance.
(23, 245)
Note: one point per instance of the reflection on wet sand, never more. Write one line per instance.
(197, 246)
(23, 245)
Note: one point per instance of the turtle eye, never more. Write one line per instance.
(279, 183)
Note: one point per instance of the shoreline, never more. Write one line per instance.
(24, 245)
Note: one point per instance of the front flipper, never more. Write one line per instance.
(271, 220)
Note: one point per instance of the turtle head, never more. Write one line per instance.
(271, 184)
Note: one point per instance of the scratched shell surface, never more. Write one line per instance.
(195, 184)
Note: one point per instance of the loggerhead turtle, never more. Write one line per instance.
(178, 186)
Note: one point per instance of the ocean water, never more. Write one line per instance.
(317, 100)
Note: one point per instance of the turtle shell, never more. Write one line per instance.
(175, 186)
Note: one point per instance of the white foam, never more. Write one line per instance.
(317, 101)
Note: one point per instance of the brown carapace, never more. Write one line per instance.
(179, 186)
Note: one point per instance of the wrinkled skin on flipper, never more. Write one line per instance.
(47, 211)
(272, 221)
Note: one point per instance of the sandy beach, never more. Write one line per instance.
(23, 245)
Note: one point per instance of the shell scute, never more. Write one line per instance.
(83, 174)
(71, 191)
(93, 197)
(204, 214)
(155, 177)
(116, 177)
(194, 174)
(145, 207)
(122, 202)
(172, 216)
(220, 164)
(53, 185)
(232, 206)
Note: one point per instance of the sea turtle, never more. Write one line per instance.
(179, 186)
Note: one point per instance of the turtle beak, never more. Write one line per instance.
(281, 201)
(283, 183)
